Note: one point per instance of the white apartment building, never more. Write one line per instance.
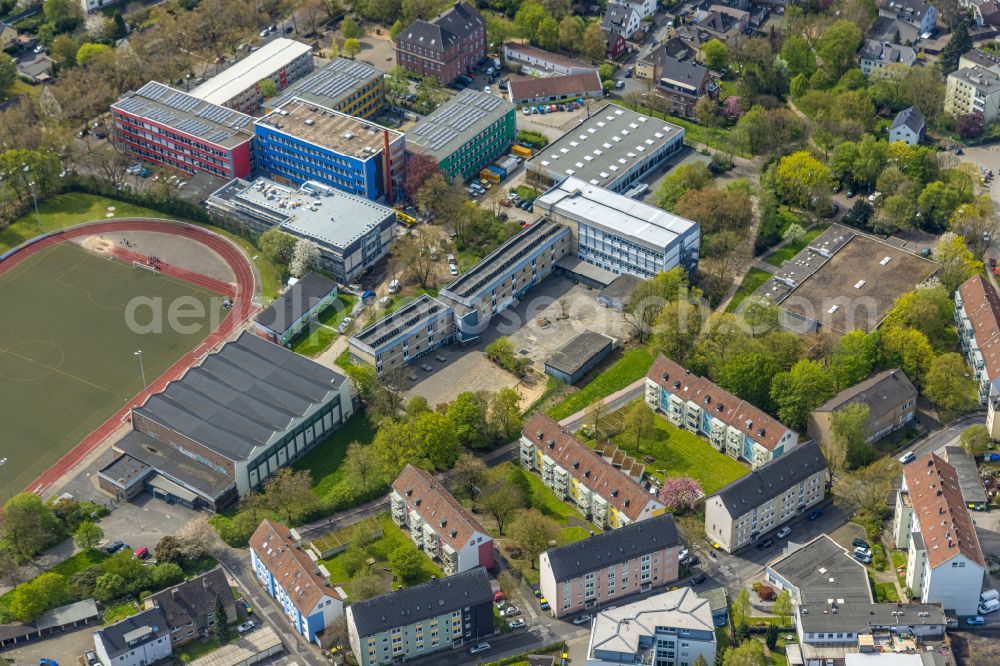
(973, 90)
(944, 562)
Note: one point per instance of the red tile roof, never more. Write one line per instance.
(437, 507)
(982, 306)
(291, 567)
(582, 462)
(945, 523)
(721, 403)
(555, 86)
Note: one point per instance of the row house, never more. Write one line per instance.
(732, 426)
(977, 316)
(437, 523)
(891, 399)
(577, 474)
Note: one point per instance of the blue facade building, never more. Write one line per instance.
(302, 142)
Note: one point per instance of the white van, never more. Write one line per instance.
(394, 286)
(987, 595)
(991, 606)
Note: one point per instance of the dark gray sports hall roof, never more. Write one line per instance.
(242, 396)
(173, 464)
(421, 602)
(295, 302)
(772, 478)
(614, 546)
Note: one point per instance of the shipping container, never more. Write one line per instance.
(491, 176)
(500, 171)
(508, 164)
(522, 151)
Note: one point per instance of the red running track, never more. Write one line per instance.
(242, 294)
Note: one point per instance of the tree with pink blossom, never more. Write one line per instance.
(679, 493)
(733, 108)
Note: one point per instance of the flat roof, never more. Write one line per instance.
(187, 114)
(398, 323)
(334, 218)
(455, 123)
(124, 469)
(261, 64)
(490, 266)
(873, 617)
(845, 280)
(582, 201)
(577, 352)
(329, 85)
(605, 146)
(143, 449)
(329, 129)
(969, 481)
(242, 650)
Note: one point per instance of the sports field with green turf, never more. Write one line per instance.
(67, 351)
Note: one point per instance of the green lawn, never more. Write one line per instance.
(783, 254)
(400, 301)
(680, 452)
(392, 538)
(79, 562)
(633, 365)
(754, 278)
(315, 338)
(693, 132)
(326, 460)
(197, 648)
(885, 592)
(898, 558)
(120, 611)
(72, 208)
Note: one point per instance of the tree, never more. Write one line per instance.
(8, 73)
(837, 46)
(437, 440)
(29, 526)
(419, 168)
(221, 628)
(108, 587)
(959, 43)
(64, 49)
(570, 33)
(909, 350)
(716, 55)
(32, 598)
(863, 492)
(594, 44)
(975, 439)
(928, 310)
(395, 447)
(677, 326)
(690, 176)
(848, 437)
(468, 474)
(87, 535)
(977, 224)
(854, 357)
(168, 549)
(749, 653)
(798, 391)
(748, 375)
(800, 178)
(970, 125)
(367, 586)
(783, 607)
(351, 48)
(700, 661)
(268, 88)
(950, 385)
(305, 257)
(679, 493)
(277, 246)
(467, 413)
(519, 484)
(361, 468)
(649, 298)
(798, 56)
(637, 425)
(532, 533)
(859, 214)
(290, 493)
(505, 414)
(350, 29)
(414, 256)
(64, 15)
(195, 537)
(88, 51)
(741, 607)
(958, 264)
(936, 203)
(500, 503)
(548, 33)
(406, 562)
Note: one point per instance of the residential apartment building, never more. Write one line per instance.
(979, 58)
(944, 562)
(908, 127)
(891, 400)
(280, 61)
(771, 495)
(303, 142)
(536, 90)
(650, 63)
(721, 22)
(973, 90)
(538, 61)
(615, 46)
(437, 523)
(168, 127)
(921, 15)
(464, 134)
(300, 586)
(682, 83)
(400, 338)
(445, 47)
(673, 627)
(876, 57)
(577, 474)
(504, 276)
(412, 622)
(977, 315)
(732, 426)
(91, 6)
(621, 20)
(634, 558)
(619, 234)
(349, 86)
(613, 148)
(141, 639)
(189, 607)
(645, 8)
(351, 231)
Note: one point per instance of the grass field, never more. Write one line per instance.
(783, 254)
(67, 353)
(326, 461)
(679, 452)
(315, 339)
(754, 278)
(630, 367)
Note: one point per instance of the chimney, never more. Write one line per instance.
(174, 593)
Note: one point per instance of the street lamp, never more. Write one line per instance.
(31, 187)
(142, 370)
(6, 476)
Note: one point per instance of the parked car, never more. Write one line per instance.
(864, 559)
(783, 532)
(498, 596)
(90, 657)
(517, 624)
(47, 662)
(860, 543)
(344, 324)
(510, 611)
(991, 606)
(975, 621)
(581, 620)
(246, 627)
(115, 546)
(141, 553)
(907, 457)
(766, 543)
(453, 269)
(864, 552)
(814, 514)
(698, 580)
(543, 603)
(486, 89)
(479, 648)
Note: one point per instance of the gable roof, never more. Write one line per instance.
(613, 546)
(295, 302)
(945, 523)
(438, 34)
(626, 629)
(772, 478)
(887, 52)
(194, 599)
(437, 507)
(616, 17)
(138, 629)
(736, 413)
(882, 393)
(531, 87)
(420, 602)
(982, 306)
(910, 118)
(588, 467)
(686, 74)
(291, 567)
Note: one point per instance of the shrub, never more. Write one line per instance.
(764, 592)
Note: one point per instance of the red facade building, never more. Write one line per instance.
(445, 47)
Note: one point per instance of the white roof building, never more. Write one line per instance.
(282, 60)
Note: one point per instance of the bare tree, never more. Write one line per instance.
(413, 252)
